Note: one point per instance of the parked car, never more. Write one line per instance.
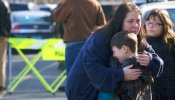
(168, 5)
(47, 7)
(37, 24)
(20, 6)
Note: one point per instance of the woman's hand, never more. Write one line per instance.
(131, 74)
(143, 58)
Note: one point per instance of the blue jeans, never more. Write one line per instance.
(72, 50)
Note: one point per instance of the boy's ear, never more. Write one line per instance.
(125, 48)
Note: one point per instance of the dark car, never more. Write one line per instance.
(35, 24)
(20, 6)
(47, 7)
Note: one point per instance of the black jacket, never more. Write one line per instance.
(137, 89)
(165, 84)
(5, 23)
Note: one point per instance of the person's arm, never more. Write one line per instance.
(156, 63)
(96, 63)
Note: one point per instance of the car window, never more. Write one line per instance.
(45, 9)
(18, 7)
(32, 19)
(172, 14)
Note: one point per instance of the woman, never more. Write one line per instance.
(159, 31)
(91, 71)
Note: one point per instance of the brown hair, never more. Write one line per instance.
(168, 34)
(116, 22)
(125, 38)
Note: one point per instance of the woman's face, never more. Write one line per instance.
(132, 22)
(153, 26)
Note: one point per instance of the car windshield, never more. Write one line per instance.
(32, 19)
(18, 7)
(172, 14)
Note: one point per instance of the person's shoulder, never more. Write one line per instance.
(97, 37)
(94, 1)
(99, 34)
(66, 2)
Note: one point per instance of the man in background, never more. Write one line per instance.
(79, 18)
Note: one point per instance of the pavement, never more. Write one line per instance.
(33, 95)
(30, 88)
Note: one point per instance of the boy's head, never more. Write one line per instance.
(124, 45)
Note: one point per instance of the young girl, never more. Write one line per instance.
(159, 31)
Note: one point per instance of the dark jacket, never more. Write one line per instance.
(165, 84)
(5, 23)
(139, 89)
(91, 71)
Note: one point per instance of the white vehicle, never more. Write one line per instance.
(168, 5)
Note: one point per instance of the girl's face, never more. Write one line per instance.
(153, 26)
(119, 53)
(132, 22)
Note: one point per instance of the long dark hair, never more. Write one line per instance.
(115, 24)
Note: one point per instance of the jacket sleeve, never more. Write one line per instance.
(156, 63)
(95, 57)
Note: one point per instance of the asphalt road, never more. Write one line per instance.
(30, 88)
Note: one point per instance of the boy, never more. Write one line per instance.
(124, 47)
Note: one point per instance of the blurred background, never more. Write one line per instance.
(56, 1)
(24, 18)
(32, 19)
